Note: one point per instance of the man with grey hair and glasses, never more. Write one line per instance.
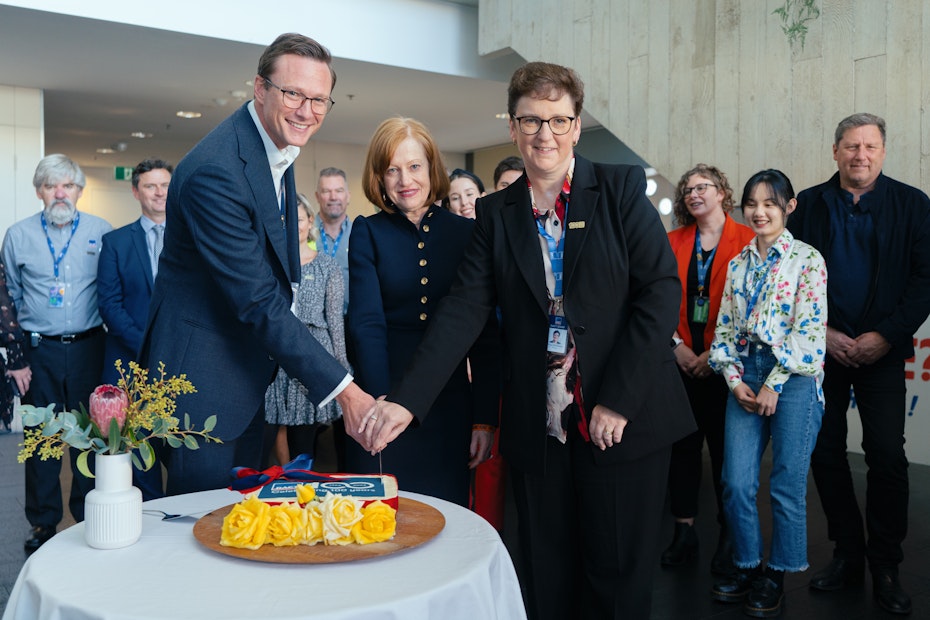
(51, 263)
(874, 233)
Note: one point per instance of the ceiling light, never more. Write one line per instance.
(141, 135)
(238, 94)
(651, 187)
(187, 114)
(502, 116)
(665, 206)
(105, 150)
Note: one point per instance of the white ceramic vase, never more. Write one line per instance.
(113, 509)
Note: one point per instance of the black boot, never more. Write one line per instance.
(722, 562)
(736, 587)
(684, 546)
(764, 601)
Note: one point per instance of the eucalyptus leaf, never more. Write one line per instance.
(51, 427)
(209, 424)
(173, 441)
(82, 465)
(190, 442)
(147, 454)
(187, 422)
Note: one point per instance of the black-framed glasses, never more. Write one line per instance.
(558, 125)
(700, 188)
(295, 100)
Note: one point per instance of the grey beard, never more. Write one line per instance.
(60, 213)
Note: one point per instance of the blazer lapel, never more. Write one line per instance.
(520, 229)
(141, 248)
(264, 194)
(582, 206)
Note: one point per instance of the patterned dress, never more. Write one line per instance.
(318, 303)
(11, 338)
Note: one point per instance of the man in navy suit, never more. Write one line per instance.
(221, 308)
(125, 276)
(127, 267)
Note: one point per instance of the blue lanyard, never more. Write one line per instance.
(342, 231)
(702, 267)
(556, 250)
(757, 289)
(64, 250)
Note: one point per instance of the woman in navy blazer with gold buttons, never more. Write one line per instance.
(401, 263)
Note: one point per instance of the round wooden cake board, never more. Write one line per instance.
(416, 524)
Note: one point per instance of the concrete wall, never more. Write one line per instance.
(682, 81)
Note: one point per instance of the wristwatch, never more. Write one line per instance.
(676, 341)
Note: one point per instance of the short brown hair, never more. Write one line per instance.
(543, 80)
(297, 44)
(387, 137)
(682, 215)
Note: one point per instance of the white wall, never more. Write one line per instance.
(22, 141)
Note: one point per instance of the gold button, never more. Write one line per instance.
(423, 299)
(425, 227)
(423, 316)
(421, 245)
(424, 280)
(422, 262)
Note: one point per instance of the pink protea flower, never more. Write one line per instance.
(106, 403)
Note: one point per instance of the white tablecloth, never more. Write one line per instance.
(465, 572)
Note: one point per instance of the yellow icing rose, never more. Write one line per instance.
(287, 525)
(379, 521)
(246, 525)
(339, 515)
(305, 493)
(314, 524)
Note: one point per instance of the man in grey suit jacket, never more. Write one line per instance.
(220, 311)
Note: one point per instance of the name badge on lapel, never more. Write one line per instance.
(574, 225)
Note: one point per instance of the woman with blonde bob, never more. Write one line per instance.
(402, 261)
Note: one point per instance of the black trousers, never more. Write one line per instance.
(708, 398)
(880, 396)
(65, 374)
(589, 533)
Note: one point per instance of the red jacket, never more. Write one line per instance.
(734, 238)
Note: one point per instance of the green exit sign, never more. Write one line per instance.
(122, 173)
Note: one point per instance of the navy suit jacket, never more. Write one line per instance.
(124, 290)
(621, 300)
(220, 310)
(899, 301)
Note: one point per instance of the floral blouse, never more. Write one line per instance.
(790, 312)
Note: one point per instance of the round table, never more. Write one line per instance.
(464, 572)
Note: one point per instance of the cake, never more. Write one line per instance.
(367, 488)
(312, 508)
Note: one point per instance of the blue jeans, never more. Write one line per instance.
(793, 430)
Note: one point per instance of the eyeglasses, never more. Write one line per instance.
(558, 125)
(295, 100)
(700, 188)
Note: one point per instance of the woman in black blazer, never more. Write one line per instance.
(589, 482)
(401, 263)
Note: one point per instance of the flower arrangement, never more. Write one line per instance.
(334, 520)
(122, 418)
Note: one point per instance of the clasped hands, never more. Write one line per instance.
(865, 349)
